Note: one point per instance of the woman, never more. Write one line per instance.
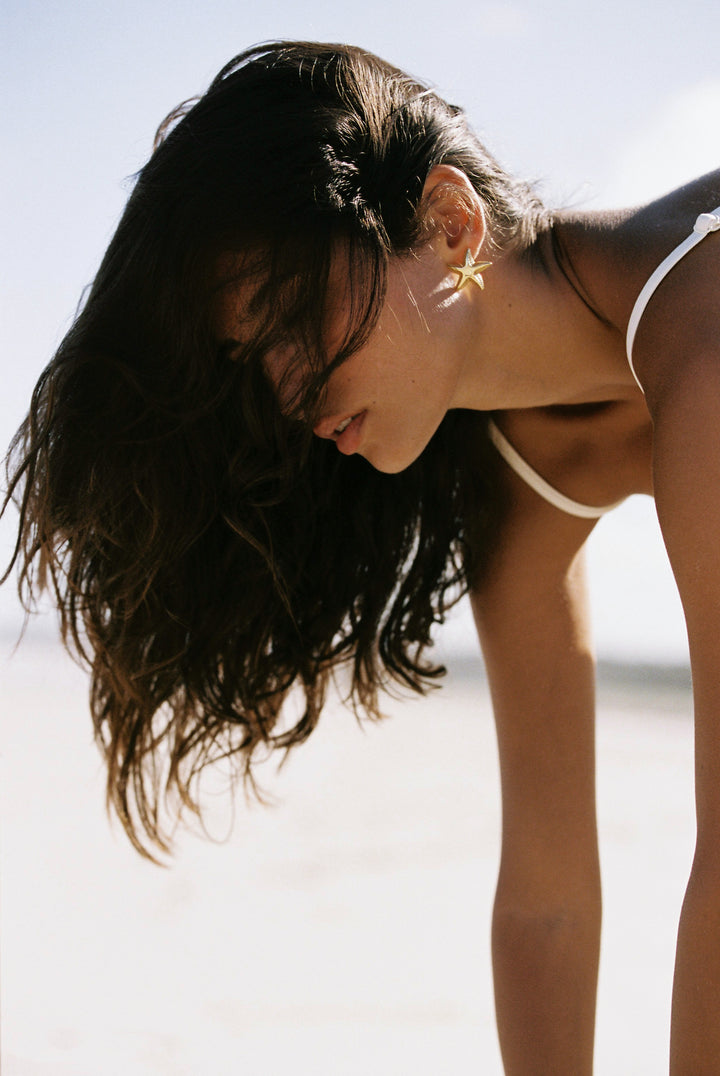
(320, 269)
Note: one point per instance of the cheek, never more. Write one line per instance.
(351, 383)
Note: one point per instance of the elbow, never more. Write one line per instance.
(547, 926)
(548, 921)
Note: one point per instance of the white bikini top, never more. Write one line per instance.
(538, 483)
(705, 223)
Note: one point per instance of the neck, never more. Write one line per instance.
(538, 338)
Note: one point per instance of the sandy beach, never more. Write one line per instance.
(344, 930)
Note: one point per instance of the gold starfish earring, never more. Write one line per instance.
(470, 271)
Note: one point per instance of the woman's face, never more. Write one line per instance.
(387, 400)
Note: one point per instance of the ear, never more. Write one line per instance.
(454, 213)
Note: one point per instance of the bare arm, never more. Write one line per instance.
(531, 617)
(687, 481)
(678, 356)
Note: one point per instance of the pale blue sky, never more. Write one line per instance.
(605, 103)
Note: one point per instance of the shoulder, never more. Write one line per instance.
(679, 328)
(614, 252)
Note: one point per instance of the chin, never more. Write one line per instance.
(388, 463)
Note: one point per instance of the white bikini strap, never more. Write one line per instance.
(538, 483)
(706, 223)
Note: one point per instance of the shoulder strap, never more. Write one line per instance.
(706, 223)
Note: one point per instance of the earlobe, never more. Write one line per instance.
(454, 213)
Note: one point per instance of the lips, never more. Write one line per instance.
(344, 430)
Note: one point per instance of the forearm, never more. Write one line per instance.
(545, 968)
(695, 1037)
(534, 627)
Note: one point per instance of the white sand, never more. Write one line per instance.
(343, 931)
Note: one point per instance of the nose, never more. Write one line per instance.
(324, 430)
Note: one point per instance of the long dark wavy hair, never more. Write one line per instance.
(206, 553)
